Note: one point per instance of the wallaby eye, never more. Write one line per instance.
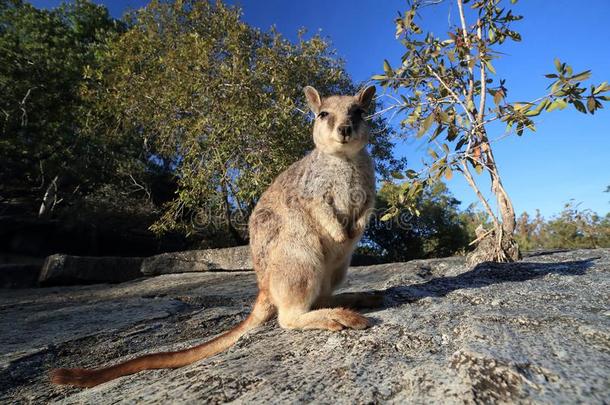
(359, 112)
(322, 114)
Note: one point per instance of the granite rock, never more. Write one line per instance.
(536, 331)
(225, 259)
(60, 269)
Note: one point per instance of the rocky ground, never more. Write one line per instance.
(537, 331)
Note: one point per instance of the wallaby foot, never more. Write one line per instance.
(330, 319)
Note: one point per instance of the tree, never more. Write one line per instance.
(42, 56)
(576, 228)
(439, 229)
(215, 102)
(573, 228)
(448, 93)
(531, 233)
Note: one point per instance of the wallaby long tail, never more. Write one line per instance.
(263, 311)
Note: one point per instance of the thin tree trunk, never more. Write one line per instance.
(498, 245)
(230, 228)
(48, 201)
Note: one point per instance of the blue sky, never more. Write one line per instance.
(566, 158)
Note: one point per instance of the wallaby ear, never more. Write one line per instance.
(313, 99)
(366, 96)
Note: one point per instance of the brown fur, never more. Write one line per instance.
(302, 235)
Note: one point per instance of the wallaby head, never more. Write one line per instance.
(339, 127)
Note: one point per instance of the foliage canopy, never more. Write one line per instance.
(42, 56)
(181, 103)
(438, 230)
(214, 101)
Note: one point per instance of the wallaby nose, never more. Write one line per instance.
(345, 131)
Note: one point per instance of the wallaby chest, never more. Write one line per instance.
(349, 185)
(346, 184)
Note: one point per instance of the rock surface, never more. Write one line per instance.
(537, 331)
(63, 269)
(227, 259)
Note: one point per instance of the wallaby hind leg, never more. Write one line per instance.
(294, 289)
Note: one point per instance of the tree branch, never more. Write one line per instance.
(455, 96)
(481, 112)
(470, 94)
(473, 185)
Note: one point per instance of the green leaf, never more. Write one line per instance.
(520, 129)
(498, 97)
(581, 76)
(437, 132)
(379, 77)
(397, 175)
(411, 174)
(386, 67)
(387, 217)
(432, 153)
(452, 133)
(460, 143)
(601, 88)
(579, 106)
(521, 107)
(515, 36)
(558, 65)
(470, 105)
(542, 105)
(425, 125)
(489, 66)
(555, 104)
(444, 117)
(448, 174)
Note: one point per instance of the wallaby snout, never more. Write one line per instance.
(345, 131)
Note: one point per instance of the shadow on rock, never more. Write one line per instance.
(483, 275)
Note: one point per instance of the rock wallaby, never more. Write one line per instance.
(302, 234)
